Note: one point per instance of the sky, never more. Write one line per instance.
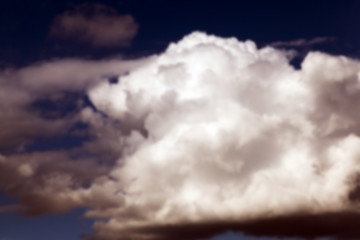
(184, 120)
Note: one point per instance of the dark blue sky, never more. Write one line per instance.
(25, 25)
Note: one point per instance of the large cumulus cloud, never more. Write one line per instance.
(233, 133)
(212, 134)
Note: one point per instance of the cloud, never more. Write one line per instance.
(213, 134)
(233, 134)
(95, 24)
(302, 42)
(10, 208)
(60, 84)
(43, 109)
(71, 74)
(338, 225)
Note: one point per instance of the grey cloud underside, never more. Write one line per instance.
(213, 134)
(339, 225)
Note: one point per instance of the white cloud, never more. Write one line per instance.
(233, 133)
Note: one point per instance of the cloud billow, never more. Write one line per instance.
(211, 135)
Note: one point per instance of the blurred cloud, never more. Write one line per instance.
(23, 92)
(10, 208)
(213, 134)
(94, 24)
(46, 103)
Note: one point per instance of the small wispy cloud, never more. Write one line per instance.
(302, 42)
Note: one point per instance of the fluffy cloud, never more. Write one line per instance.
(213, 134)
(233, 134)
(95, 24)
